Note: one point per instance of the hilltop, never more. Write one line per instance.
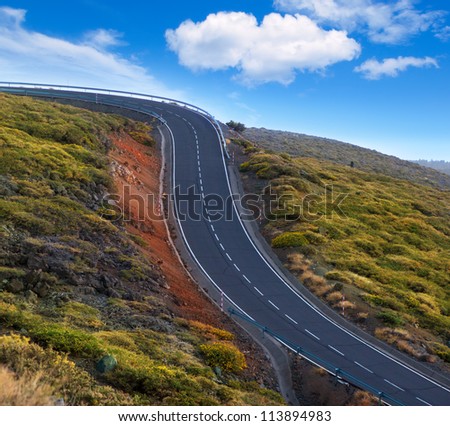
(301, 145)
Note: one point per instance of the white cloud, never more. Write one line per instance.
(102, 39)
(384, 22)
(35, 57)
(374, 70)
(443, 33)
(271, 51)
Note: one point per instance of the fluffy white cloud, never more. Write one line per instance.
(383, 21)
(374, 70)
(35, 57)
(271, 51)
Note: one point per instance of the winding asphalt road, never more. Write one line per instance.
(225, 253)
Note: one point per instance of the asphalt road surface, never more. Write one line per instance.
(221, 246)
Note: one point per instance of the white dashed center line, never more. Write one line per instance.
(395, 386)
(334, 349)
(246, 279)
(312, 334)
(292, 319)
(363, 367)
(229, 258)
(275, 306)
(236, 267)
(217, 238)
(421, 400)
(222, 247)
(257, 289)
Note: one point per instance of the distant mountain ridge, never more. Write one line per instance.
(439, 165)
(302, 145)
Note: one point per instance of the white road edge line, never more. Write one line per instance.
(425, 402)
(275, 306)
(336, 350)
(393, 384)
(292, 319)
(363, 367)
(257, 289)
(312, 334)
(246, 279)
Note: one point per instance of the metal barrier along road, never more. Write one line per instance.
(332, 369)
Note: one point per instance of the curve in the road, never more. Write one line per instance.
(225, 252)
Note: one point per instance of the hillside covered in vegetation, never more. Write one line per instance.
(300, 145)
(375, 247)
(84, 314)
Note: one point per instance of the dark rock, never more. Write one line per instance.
(113, 293)
(133, 296)
(31, 296)
(106, 364)
(87, 290)
(14, 286)
(42, 289)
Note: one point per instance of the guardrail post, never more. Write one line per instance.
(336, 374)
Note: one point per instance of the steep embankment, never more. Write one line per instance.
(379, 255)
(76, 288)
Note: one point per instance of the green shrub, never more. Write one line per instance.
(289, 239)
(224, 355)
(391, 318)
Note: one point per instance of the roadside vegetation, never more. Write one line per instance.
(83, 314)
(380, 255)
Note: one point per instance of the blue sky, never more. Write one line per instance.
(375, 73)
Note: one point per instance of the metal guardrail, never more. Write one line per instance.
(330, 368)
(56, 87)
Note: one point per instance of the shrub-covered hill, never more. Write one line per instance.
(385, 246)
(346, 154)
(75, 289)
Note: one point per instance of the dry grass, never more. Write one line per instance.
(392, 335)
(406, 346)
(346, 304)
(23, 391)
(335, 296)
(362, 398)
(298, 263)
(361, 316)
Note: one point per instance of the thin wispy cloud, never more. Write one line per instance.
(103, 39)
(271, 51)
(31, 56)
(390, 22)
(392, 67)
